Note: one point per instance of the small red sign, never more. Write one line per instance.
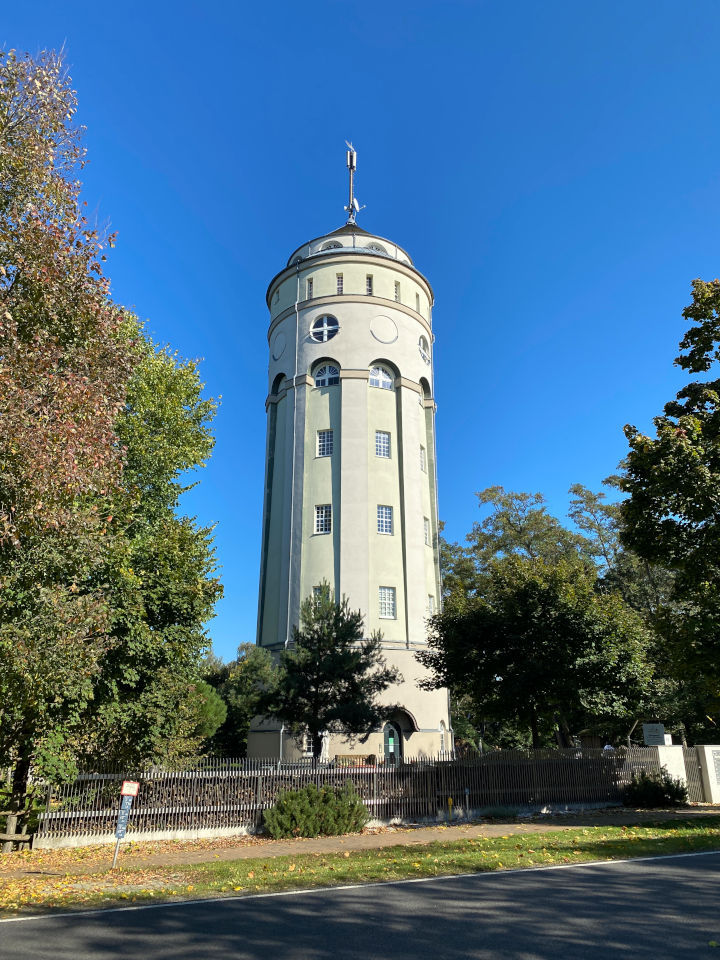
(130, 788)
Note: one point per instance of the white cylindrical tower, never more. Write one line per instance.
(350, 485)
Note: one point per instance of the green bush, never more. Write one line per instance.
(655, 790)
(313, 813)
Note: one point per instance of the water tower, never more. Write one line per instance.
(350, 480)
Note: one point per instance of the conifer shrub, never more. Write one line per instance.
(313, 813)
(648, 790)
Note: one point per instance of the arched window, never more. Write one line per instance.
(324, 328)
(381, 377)
(378, 248)
(442, 736)
(331, 245)
(327, 375)
(276, 384)
(424, 349)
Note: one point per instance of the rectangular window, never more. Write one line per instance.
(397, 291)
(431, 605)
(423, 459)
(324, 443)
(382, 444)
(317, 593)
(426, 525)
(387, 603)
(323, 518)
(309, 287)
(369, 285)
(417, 302)
(339, 279)
(384, 519)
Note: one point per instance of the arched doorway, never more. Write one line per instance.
(392, 739)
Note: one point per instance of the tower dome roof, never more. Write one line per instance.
(351, 239)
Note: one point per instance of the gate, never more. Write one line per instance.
(693, 775)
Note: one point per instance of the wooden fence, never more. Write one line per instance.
(231, 795)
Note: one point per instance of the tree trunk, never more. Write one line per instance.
(317, 744)
(18, 800)
(21, 775)
(534, 728)
(564, 737)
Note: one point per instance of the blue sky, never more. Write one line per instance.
(552, 168)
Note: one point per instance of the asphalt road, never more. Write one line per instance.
(662, 908)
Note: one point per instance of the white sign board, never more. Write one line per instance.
(654, 734)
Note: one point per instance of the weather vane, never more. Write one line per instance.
(353, 207)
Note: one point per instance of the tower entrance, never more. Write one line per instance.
(393, 743)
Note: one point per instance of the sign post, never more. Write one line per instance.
(128, 792)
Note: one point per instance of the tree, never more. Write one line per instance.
(644, 586)
(64, 365)
(105, 589)
(209, 708)
(517, 524)
(161, 583)
(330, 678)
(242, 684)
(671, 515)
(541, 644)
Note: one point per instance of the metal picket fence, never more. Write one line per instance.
(222, 795)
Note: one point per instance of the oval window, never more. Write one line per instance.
(324, 329)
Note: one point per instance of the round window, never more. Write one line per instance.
(324, 329)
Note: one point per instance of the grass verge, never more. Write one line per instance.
(307, 871)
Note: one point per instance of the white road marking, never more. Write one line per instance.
(485, 874)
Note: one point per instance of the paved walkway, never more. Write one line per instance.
(244, 848)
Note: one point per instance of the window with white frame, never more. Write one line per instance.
(339, 283)
(431, 605)
(323, 518)
(426, 529)
(324, 329)
(382, 444)
(381, 377)
(317, 593)
(386, 597)
(423, 459)
(309, 288)
(384, 519)
(369, 285)
(397, 291)
(327, 376)
(424, 349)
(324, 443)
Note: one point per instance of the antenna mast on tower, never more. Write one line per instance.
(353, 207)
